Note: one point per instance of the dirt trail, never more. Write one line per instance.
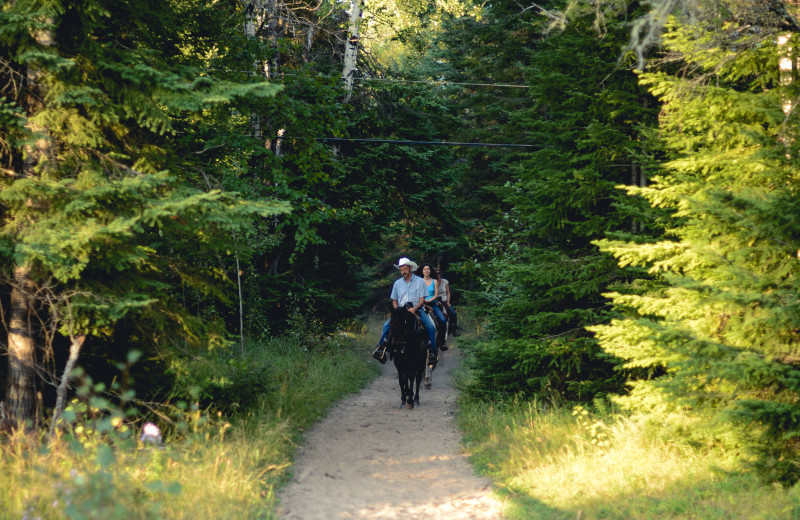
(370, 458)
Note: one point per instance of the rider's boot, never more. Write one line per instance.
(455, 330)
(380, 354)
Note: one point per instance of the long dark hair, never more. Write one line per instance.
(434, 274)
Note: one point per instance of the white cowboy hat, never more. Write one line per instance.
(406, 261)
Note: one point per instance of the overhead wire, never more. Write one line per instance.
(423, 143)
(412, 142)
(430, 82)
(435, 82)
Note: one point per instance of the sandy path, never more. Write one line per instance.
(371, 458)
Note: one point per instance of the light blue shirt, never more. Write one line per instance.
(410, 291)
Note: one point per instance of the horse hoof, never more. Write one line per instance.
(416, 401)
(427, 387)
(409, 406)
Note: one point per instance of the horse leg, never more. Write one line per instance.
(418, 378)
(409, 390)
(401, 380)
(428, 374)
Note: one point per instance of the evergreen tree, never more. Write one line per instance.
(721, 323)
(541, 278)
(348, 199)
(90, 231)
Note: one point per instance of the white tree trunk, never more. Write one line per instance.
(254, 15)
(351, 48)
(241, 304)
(271, 69)
(63, 385)
(309, 42)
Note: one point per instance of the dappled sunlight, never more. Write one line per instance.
(369, 458)
(449, 507)
(567, 465)
(392, 461)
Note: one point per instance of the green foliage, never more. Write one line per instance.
(114, 223)
(592, 462)
(209, 466)
(541, 280)
(102, 491)
(221, 381)
(720, 320)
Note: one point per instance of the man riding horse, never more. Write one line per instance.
(410, 290)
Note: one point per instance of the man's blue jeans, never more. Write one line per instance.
(429, 326)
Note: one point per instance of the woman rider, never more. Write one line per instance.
(428, 274)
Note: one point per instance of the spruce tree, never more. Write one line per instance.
(93, 226)
(720, 321)
(541, 278)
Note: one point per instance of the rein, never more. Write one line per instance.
(404, 332)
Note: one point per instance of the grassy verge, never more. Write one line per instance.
(210, 467)
(568, 464)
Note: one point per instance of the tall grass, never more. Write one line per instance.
(562, 463)
(210, 466)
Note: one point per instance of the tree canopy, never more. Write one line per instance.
(181, 176)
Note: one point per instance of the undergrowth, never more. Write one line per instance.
(225, 447)
(558, 462)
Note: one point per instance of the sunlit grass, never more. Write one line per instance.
(216, 467)
(555, 463)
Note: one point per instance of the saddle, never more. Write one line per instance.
(441, 328)
(418, 326)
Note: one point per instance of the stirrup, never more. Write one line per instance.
(380, 354)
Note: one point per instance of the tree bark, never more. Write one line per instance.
(20, 402)
(20, 399)
(241, 304)
(63, 385)
(254, 11)
(270, 70)
(351, 48)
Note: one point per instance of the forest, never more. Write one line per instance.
(607, 184)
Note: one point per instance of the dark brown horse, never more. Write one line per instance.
(406, 343)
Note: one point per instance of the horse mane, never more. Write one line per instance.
(402, 324)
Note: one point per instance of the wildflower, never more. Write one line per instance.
(151, 433)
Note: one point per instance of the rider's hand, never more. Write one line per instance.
(411, 310)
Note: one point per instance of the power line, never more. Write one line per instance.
(503, 85)
(428, 82)
(417, 143)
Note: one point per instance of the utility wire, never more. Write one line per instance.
(425, 81)
(417, 143)
(505, 85)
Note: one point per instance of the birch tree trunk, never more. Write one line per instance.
(254, 13)
(241, 301)
(63, 385)
(271, 69)
(309, 43)
(351, 48)
(259, 13)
